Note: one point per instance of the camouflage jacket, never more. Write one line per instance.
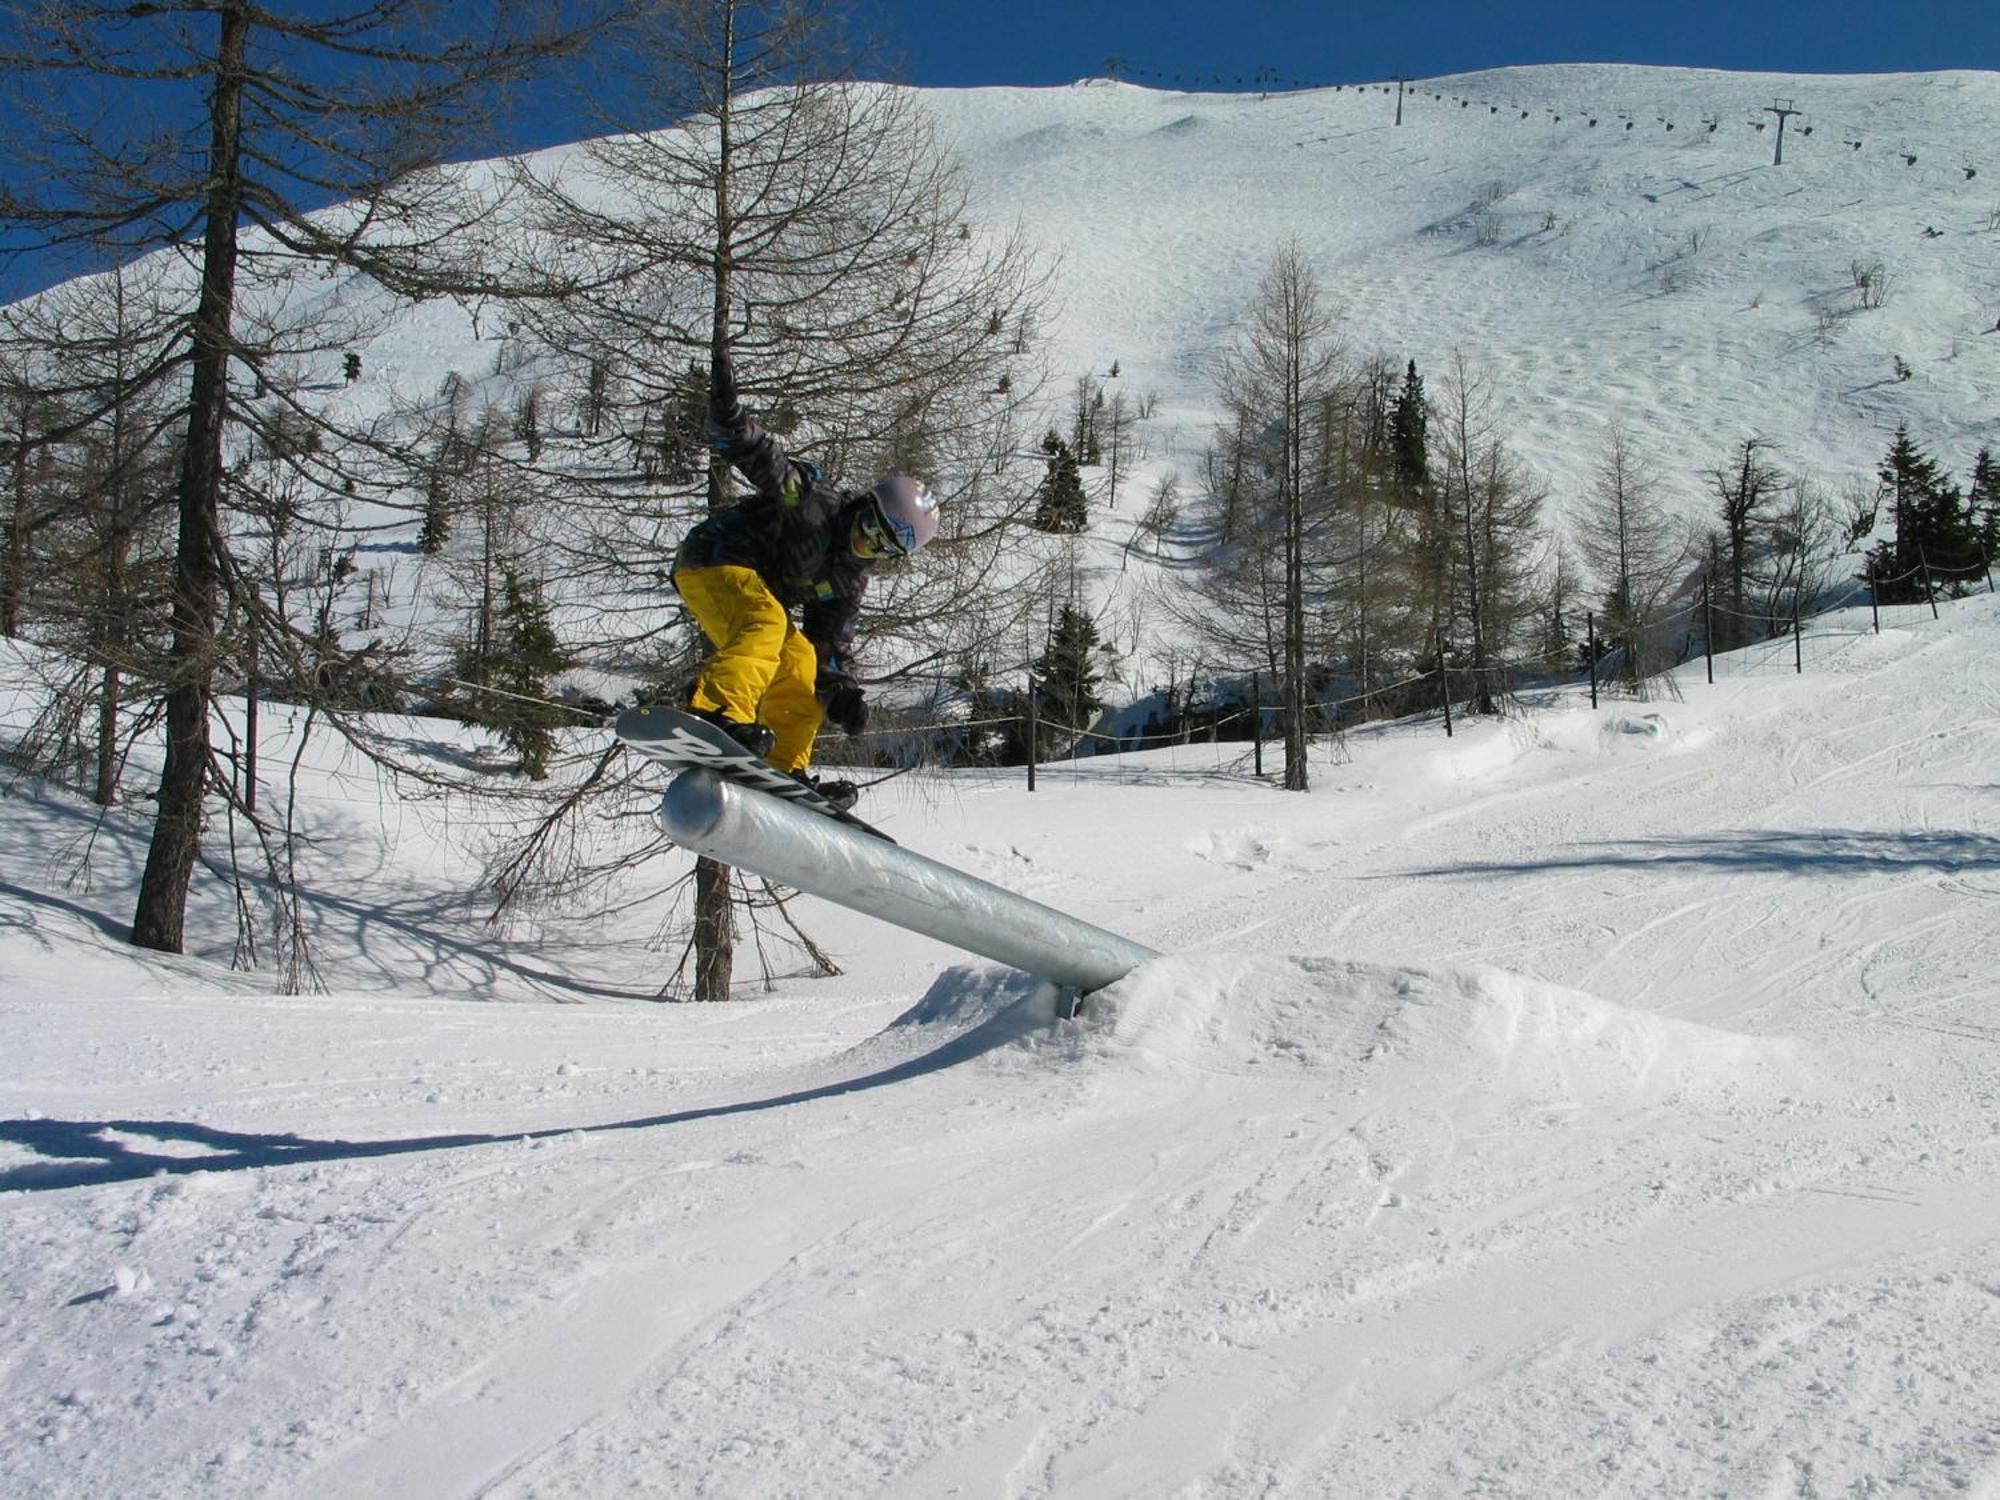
(793, 533)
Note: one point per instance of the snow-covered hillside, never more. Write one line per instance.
(1651, 271)
(1599, 1102)
(1665, 277)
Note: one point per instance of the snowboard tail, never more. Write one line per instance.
(678, 739)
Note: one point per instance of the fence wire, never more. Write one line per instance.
(1787, 642)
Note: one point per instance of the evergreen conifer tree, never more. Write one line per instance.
(1409, 439)
(1066, 681)
(1063, 509)
(1936, 541)
(529, 655)
(435, 532)
(1952, 542)
(1982, 503)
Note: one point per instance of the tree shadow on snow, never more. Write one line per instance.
(1835, 851)
(87, 1153)
(29, 905)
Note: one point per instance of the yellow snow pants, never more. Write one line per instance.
(763, 669)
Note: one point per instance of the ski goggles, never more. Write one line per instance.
(874, 537)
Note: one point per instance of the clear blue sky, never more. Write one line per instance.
(967, 42)
(1230, 44)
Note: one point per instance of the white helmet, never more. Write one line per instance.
(896, 518)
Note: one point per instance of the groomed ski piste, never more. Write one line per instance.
(1597, 1102)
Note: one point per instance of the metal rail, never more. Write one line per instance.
(703, 813)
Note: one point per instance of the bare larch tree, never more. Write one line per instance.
(817, 231)
(218, 133)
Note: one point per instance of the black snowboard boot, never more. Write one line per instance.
(755, 738)
(842, 794)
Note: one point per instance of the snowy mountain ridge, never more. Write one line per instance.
(1606, 245)
(1666, 277)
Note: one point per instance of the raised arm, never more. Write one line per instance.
(754, 453)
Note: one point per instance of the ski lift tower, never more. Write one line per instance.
(1782, 108)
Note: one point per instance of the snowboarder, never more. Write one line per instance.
(798, 542)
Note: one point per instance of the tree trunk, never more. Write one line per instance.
(162, 909)
(714, 931)
(714, 922)
(1296, 740)
(106, 794)
(14, 586)
(1475, 608)
(113, 644)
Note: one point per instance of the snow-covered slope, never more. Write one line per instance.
(1605, 245)
(1666, 277)
(1597, 1102)
(1671, 282)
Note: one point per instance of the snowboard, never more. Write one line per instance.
(678, 739)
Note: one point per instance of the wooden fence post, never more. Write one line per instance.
(1034, 732)
(1798, 640)
(1590, 627)
(1257, 720)
(1708, 626)
(1444, 686)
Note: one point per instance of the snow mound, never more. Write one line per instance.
(1447, 1031)
(1499, 750)
(1651, 726)
(1047, 142)
(966, 997)
(968, 1010)
(1483, 750)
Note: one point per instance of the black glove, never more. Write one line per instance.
(725, 412)
(846, 706)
